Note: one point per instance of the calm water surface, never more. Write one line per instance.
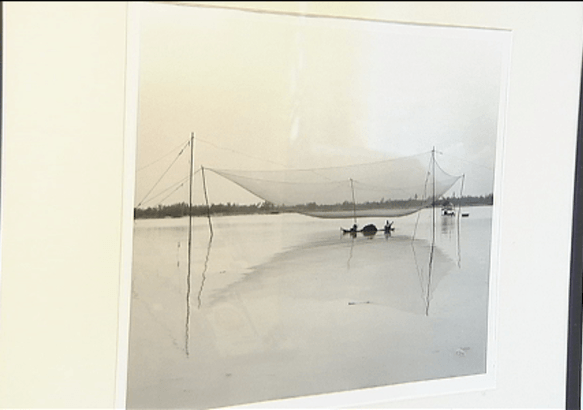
(279, 306)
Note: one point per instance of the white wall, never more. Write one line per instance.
(61, 201)
(62, 169)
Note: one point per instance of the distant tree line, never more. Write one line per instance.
(179, 210)
(182, 209)
(468, 200)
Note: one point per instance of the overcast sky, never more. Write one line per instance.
(266, 91)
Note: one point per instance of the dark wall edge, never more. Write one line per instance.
(574, 356)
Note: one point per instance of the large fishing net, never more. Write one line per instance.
(388, 188)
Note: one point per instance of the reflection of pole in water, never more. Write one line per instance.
(424, 285)
(458, 242)
(351, 249)
(419, 270)
(430, 269)
(206, 265)
(429, 273)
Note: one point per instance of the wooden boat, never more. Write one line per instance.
(367, 230)
(447, 209)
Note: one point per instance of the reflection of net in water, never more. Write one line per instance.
(386, 188)
(391, 272)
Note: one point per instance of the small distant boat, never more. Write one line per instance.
(447, 209)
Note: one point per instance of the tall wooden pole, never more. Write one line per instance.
(208, 207)
(190, 199)
(353, 200)
(189, 256)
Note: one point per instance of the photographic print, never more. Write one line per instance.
(314, 205)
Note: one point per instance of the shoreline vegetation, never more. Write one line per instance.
(180, 210)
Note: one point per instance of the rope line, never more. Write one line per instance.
(163, 156)
(171, 193)
(179, 182)
(239, 152)
(466, 161)
(163, 174)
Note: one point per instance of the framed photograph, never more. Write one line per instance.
(315, 208)
(177, 180)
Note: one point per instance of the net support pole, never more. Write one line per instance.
(459, 208)
(190, 197)
(189, 255)
(353, 200)
(459, 215)
(206, 198)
